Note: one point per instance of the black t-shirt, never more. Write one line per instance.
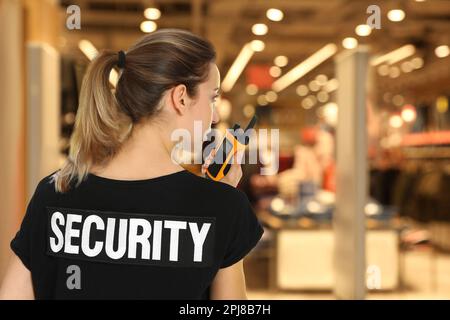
(159, 238)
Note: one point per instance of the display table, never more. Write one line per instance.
(302, 258)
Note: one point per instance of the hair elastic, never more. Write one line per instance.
(121, 62)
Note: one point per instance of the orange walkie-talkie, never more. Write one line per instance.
(231, 144)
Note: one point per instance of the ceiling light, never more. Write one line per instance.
(237, 67)
(396, 15)
(442, 51)
(407, 66)
(307, 103)
(409, 113)
(322, 96)
(280, 61)
(349, 43)
(417, 62)
(395, 121)
(274, 14)
(271, 96)
(275, 71)
(148, 26)
(331, 85)
(302, 90)
(322, 79)
(394, 72)
(257, 45)
(251, 89)
(262, 101)
(304, 67)
(363, 30)
(395, 55)
(383, 70)
(90, 51)
(312, 99)
(249, 110)
(314, 85)
(259, 29)
(152, 13)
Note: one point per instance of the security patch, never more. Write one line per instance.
(130, 238)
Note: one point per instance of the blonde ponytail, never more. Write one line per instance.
(155, 63)
(100, 126)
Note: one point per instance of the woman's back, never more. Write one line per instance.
(160, 238)
(97, 228)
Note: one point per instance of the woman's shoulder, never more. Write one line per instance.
(46, 185)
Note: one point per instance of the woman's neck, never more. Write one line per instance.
(144, 155)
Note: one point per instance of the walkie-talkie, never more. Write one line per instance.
(231, 144)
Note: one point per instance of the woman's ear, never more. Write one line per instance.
(179, 98)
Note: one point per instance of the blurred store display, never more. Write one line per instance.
(277, 61)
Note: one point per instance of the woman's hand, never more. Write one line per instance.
(234, 175)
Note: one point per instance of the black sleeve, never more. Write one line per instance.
(21, 243)
(245, 233)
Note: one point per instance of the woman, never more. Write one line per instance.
(122, 220)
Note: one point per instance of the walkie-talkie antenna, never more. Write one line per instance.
(251, 124)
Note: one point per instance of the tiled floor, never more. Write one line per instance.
(426, 277)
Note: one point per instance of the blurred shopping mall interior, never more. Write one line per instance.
(358, 89)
